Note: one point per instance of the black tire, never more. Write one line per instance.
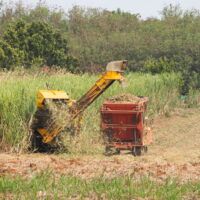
(40, 119)
(37, 146)
(108, 150)
(137, 151)
(117, 151)
(111, 150)
(145, 148)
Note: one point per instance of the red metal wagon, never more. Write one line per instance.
(124, 128)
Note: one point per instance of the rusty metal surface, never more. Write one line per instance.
(123, 126)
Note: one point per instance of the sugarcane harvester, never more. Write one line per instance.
(43, 126)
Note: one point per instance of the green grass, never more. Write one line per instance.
(48, 186)
(18, 96)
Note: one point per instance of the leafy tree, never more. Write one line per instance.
(26, 43)
(96, 36)
(8, 55)
(157, 66)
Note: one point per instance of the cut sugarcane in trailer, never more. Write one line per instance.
(124, 124)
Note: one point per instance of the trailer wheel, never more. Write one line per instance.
(137, 151)
(108, 150)
(36, 144)
(117, 151)
(145, 148)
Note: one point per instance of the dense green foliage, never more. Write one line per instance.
(49, 186)
(97, 36)
(35, 43)
(18, 95)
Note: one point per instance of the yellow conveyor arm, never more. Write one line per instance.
(113, 73)
(40, 124)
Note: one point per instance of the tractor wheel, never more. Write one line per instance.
(117, 151)
(36, 144)
(137, 151)
(145, 148)
(109, 150)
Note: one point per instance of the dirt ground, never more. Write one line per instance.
(175, 152)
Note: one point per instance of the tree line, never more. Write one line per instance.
(85, 39)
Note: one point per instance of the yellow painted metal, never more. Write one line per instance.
(47, 135)
(110, 75)
(49, 94)
(99, 87)
(114, 70)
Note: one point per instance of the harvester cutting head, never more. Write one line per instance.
(55, 107)
(53, 112)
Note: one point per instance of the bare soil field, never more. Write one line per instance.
(174, 153)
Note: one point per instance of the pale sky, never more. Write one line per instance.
(146, 8)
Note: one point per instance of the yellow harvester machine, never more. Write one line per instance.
(43, 128)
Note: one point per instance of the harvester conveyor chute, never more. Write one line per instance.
(45, 128)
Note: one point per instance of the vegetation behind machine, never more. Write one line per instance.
(95, 36)
(17, 103)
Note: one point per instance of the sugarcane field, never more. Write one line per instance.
(99, 101)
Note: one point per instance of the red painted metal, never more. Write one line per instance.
(123, 125)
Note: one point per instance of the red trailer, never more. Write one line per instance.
(124, 128)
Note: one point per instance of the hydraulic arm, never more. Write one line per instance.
(42, 118)
(113, 72)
